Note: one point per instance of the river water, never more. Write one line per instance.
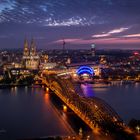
(125, 99)
(30, 113)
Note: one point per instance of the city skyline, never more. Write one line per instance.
(107, 23)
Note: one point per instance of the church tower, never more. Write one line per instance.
(33, 48)
(30, 57)
(26, 48)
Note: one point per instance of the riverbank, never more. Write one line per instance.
(3, 86)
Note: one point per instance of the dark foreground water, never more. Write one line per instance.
(125, 99)
(29, 113)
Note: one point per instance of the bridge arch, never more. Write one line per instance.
(93, 111)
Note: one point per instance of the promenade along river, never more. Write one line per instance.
(29, 113)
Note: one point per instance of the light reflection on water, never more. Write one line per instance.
(47, 97)
(87, 90)
(14, 91)
(29, 112)
(102, 89)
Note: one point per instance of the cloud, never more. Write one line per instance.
(132, 35)
(6, 5)
(114, 31)
(67, 22)
(47, 13)
(73, 21)
(119, 30)
(101, 35)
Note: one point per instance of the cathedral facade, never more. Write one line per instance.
(30, 57)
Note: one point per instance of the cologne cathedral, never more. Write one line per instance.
(30, 56)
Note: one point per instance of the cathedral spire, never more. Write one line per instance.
(30, 56)
(26, 48)
(33, 48)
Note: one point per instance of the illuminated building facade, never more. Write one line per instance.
(30, 56)
(85, 72)
(103, 60)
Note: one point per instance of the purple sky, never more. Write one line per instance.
(107, 23)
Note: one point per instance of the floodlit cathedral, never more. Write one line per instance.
(30, 56)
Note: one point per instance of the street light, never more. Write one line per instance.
(138, 129)
(88, 137)
(64, 108)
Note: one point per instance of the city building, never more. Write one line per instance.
(30, 57)
(93, 50)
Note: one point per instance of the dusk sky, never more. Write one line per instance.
(107, 23)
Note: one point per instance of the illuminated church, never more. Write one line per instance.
(30, 56)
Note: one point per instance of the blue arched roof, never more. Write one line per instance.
(85, 69)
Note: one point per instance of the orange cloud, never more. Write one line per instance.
(132, 35)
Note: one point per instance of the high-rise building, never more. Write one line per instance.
(93, 49)
(30, 56)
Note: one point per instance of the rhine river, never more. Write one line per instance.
(125, 99)
(30, 113)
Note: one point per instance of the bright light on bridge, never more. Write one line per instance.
(64, 108)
